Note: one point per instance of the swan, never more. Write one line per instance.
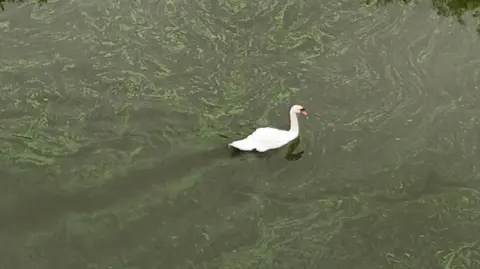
(263, 139)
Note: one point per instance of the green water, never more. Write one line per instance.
(115, 116)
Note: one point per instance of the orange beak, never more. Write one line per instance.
(303, 112)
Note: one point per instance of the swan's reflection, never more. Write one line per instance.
(290, 155)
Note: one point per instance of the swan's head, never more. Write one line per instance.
(299, 110)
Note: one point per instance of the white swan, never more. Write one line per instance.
(267, 138)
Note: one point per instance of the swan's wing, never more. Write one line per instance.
(269, 138)
(255, 141)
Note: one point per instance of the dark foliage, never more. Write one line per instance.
(453, 8)
(2, 2)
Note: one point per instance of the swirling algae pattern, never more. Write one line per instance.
(115, 116)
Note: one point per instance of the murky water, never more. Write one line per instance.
(115, 117)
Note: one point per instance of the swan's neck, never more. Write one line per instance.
(293, 122)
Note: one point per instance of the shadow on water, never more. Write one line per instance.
(43, 206)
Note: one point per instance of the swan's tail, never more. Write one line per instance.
(243, 144)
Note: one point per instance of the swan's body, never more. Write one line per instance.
(267, 138)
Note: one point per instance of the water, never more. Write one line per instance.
(115, 117)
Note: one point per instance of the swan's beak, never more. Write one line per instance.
(303, 112)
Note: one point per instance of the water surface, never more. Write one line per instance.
(115, 117)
